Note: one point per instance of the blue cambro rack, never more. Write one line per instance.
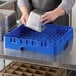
(50, 41)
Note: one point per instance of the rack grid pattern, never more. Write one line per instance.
(50, 41)
(27, 69)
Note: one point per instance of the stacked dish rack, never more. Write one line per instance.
(51, 41)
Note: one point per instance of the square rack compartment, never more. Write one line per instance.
(28, 69)
(50, 41)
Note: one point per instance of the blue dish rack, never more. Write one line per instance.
(50, 41)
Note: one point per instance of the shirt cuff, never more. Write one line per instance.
(23, 3)
(67, 6)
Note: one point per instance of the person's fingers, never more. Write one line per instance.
(44, 19)
(44, 16)
(26, 18)
(45, 22)
(23, 20)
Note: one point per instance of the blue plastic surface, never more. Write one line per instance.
(50, 41)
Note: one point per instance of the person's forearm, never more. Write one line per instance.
(23, 5)
(24, 9)
(58, 12)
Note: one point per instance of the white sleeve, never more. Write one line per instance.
(23, 2)
(67, 5)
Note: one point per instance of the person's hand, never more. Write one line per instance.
(24, 18)
(48, 17)
(24, 11)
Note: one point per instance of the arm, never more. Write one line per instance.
(67, 5)
(24, 8)
(64, 7)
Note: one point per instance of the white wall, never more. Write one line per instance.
(74, 15)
